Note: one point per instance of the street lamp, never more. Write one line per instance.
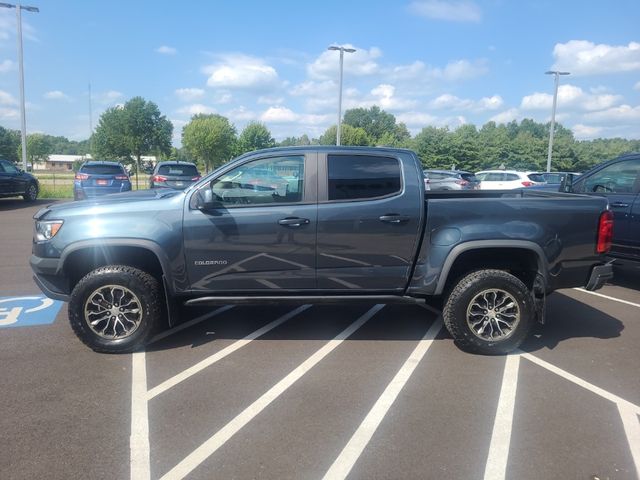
(553, 114)
(341, 50)
(23, 120)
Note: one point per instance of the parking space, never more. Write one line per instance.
(368, 391)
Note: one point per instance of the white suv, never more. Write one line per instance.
(508, 179)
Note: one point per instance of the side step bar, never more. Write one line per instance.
(314, 299)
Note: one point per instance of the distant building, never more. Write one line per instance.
(64, 163)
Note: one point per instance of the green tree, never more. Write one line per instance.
(348, 136)
(374, 121)
(209, 138)
(295, 141)
(39, 148)
(135, 129)
(254, 137)
(434, 146)
(9, 145)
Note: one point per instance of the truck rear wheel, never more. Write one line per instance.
(114, 309)
(489, 312)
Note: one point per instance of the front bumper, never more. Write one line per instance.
(49, 278)
(599, 276)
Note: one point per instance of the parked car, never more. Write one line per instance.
(452, 180)
(357, 231)
(553, 180)
(17, 183)
(508, 179)
(96, 178)
(618, 181)
(176, 175)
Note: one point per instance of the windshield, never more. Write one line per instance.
(180, 170)
(102, 169)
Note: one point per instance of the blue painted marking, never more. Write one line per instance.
(27, 311)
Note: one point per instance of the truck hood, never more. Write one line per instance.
(116, 202)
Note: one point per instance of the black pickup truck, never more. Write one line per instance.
(319, 224)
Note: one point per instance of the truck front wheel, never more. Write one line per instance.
(489, 312)
(114, 309)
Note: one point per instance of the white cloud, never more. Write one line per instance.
(195, 108)
(454, 71)
(166, 50)
(56, 95)
(622, 113)
(241, 114)
(8, 26)
(570, 96)
(451, 10)
(189, 94)
(416, 119)
(451, 102)
(270, 100)
(581, 57)
(237, 71)
(8, 113)
(7, 66)
(222, 98)
(636, 86)
(108, 97)
(584, 132)
(7, 99)
(279, 115)
(384, 96)
(506, 116)
(362, 62)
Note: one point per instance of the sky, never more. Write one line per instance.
(429, 62)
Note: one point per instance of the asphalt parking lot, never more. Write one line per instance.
(309, 392)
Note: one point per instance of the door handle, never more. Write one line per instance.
(619, 205)
(394, 218)
(293, 222)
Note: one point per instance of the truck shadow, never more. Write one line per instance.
(567, 318)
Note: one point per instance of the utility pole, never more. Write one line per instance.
(23, 120)
(341, 50)
(553, 114)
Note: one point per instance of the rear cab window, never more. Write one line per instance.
(362, 177)
(536, 177)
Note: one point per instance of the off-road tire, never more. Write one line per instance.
(31, 193)
(143, 285)
(458, 301)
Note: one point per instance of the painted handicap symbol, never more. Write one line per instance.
(27, 311)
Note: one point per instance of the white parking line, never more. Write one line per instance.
(619, 300)
(632, 430)
(496, 468)
(216, 357)
(211, 445)
(139, 441)
(190, 323)
(356, 445)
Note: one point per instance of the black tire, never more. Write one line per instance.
(465, 299)
(145, 287)
(31, 193)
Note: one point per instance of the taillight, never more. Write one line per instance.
(82, 176)
(195, 179)
(461, 182)
(159, 178)
(121, 177)
(605, 232)
(527, 184)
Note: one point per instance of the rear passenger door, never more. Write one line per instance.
(369, 218)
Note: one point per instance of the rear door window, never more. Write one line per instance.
(178, 170)
(494, 177)
(512, 177)
(362, 177)
(102, 169)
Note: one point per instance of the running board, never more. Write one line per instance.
(324, 299)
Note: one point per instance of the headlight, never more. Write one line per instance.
(47, 230)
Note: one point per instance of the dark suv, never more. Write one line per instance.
(14, 182)
(452, 180)
(97, 178)
(176, 175)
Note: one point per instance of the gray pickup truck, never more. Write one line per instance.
(319, 225)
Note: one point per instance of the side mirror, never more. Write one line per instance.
(207, 200)
(566, 185)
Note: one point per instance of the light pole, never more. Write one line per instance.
(23, 121)
(341, 50)
(553, 114)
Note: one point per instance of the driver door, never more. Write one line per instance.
(259, 233)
